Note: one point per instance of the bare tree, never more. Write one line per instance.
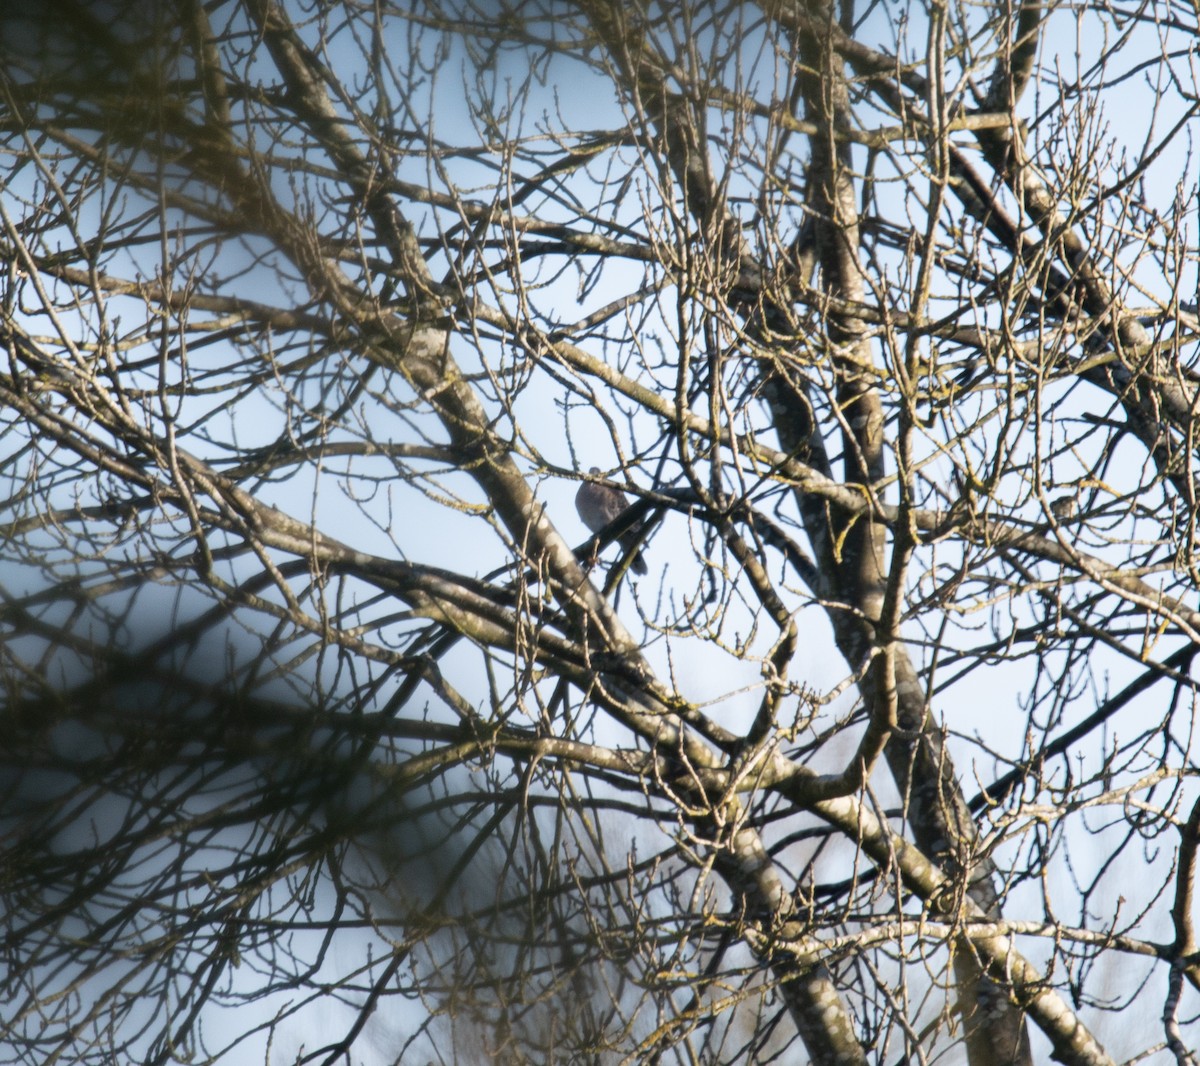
(331, 733)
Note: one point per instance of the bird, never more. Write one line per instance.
(601, 505)
(1063, 508)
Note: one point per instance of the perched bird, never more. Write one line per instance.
(599, 506)
(1063, 507)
